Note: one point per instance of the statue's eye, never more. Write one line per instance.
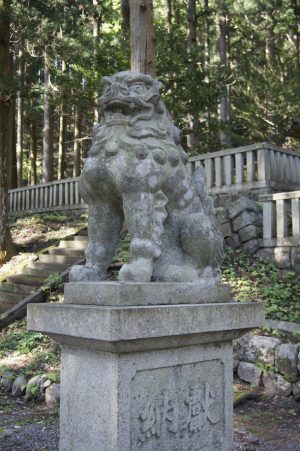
(137, 88)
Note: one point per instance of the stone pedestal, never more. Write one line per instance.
(146, 375)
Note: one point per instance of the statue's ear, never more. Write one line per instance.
(158, 85)
(106, 81)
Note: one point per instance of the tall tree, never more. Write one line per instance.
(48, 170)
(62, 129)
(20, 114)
(225, 104)
(6, 247)
(96, 39)
(77, 143)
(193, 116)
(142, 43)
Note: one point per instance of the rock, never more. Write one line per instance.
(34, 386)
(296, 390)
(47, 383)
(233, 241)
(246, 218)
(226, 229)
(251, 246)
(257, 348)
(250, 373)
(295, 258)
(19, 386)
(275, 384)
(243, 204)
(266, 253)
(52, 395)
(282, 257)
(286, 356)
(222, 215)
(7, 379)
(235, 365)
(249, 232)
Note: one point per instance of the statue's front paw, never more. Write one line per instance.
(138, 271)
(86, 274)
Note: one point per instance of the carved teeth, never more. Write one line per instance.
(117, 115)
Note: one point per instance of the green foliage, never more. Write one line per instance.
(252, 279)
(34, 389)
(122, 250)
(54, 376)
(40, 350)
(263, 84)
(54, 278)
(18, 339)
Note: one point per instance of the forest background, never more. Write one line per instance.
(230, 70)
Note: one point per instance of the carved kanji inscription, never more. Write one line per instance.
(178, 408)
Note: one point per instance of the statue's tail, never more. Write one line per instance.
(199, 180)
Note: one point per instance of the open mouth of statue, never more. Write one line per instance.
(125, 112)
(117, 112)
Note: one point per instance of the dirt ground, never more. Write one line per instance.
(265, 424)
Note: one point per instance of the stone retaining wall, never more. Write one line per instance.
(241, 224)
(269, 361)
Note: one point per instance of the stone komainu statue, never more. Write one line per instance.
(137, 170)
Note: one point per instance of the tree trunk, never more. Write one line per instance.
(96, 39)
(77, 143)
(270, 45)
(33, 153)
(192, 23)
(62, 132)
(6, 246)
(12, 180)
(142, 40)
(207, 61)
(20, 113)
(48, 171)
(125, 15)
(224, 106)
(193, 117)
(169, 14)
(296, 9)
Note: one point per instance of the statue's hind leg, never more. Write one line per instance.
(172, 265)
(144, 215)
(104, 227)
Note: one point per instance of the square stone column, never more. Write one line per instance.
(146, 366)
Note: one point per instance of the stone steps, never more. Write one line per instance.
(74, 244)
(24, 279)
(48, 267)
(6, 296)
(19, 289)
(70, 252)
(15, 288)
(52, 259)
(83, 233)
(39, 272)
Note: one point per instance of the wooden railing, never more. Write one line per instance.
(281, 219)
(259, 168)
(58, 195)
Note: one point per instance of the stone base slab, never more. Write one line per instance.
(123, 329)
(154, 293)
